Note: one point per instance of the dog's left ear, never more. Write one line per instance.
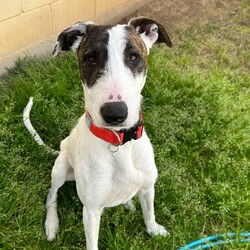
(150, 31)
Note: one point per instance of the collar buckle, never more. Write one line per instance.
(134, 132)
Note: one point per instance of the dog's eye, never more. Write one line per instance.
(91, 58)
(133, 57)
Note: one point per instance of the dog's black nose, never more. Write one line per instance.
(114, 112)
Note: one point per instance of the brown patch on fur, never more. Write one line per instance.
(135, 46)
(93, 45)
(139, 44)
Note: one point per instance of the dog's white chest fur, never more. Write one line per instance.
(111, 178)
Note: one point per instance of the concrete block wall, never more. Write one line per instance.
(30, 27)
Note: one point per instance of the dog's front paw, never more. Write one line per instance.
(51, 233)
(156, 229)
(51, 228)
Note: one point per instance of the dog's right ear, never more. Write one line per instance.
(71, 38)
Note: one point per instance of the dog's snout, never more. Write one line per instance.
(114, 112)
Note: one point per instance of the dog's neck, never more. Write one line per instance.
(116, 138)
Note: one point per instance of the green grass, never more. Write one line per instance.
(196, 110)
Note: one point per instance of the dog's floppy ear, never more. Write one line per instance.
(150, 31)
(71, 38)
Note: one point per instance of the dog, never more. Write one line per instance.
(108, 153)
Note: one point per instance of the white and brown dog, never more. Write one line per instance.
(108, 153)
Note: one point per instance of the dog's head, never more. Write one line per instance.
(113, 66)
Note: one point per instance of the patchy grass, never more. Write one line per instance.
(196, 111)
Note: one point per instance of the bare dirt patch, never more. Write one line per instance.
(179, 15)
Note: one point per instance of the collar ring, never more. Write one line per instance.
(114, 149)
(116, 145)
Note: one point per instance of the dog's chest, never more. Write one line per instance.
(111, 178)
(125, 183)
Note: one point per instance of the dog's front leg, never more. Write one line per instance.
(91, 221)
(146, 198)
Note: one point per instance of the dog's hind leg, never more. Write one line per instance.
(60, 173)
(130, 206)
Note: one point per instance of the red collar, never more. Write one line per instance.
(116, 138)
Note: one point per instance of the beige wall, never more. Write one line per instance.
(30, 27)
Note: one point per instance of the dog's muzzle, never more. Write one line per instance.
(114, 113)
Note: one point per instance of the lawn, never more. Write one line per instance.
(197, 113)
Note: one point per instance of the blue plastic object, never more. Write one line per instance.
(217, 240)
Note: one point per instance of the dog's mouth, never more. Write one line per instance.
(115, 126)
(118, 123)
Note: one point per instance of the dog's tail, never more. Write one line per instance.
(31, 129)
